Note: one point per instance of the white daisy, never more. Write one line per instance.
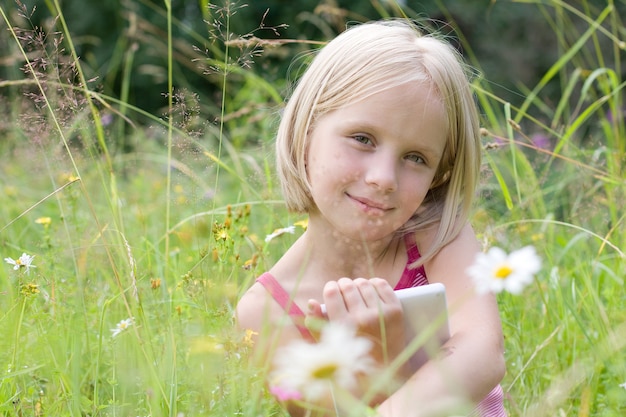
(278, 232)
(496, 271)
(25, 261)
(314, 369)
(121, 326)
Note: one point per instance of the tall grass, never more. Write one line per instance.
(559, 169)
(171, 233)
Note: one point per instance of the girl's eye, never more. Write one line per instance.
(362, 139)
(415, 158)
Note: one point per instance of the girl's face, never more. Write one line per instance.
(371, 163)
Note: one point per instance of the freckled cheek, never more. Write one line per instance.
(415, 192)
(329, 182)
(347, 169)
(334, 169)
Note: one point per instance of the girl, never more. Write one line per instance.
(379, 145)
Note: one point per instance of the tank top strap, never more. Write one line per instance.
(492, 405)
(283, 299)
(411, 248)
(411, 277)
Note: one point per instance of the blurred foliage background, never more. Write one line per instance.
(118, 181)
(124, 42)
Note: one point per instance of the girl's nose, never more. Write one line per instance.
(381, 173)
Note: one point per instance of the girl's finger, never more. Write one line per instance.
(333, 298)
(315, 318)
(368, 292)
(384, 290)
(315, 309)
(351, 295)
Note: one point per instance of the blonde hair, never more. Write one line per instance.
(364, 60)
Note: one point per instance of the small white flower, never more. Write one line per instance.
(623, 385)
(25, 261)
(496, 271)
(278, 232)
(121, 326)
(314, 369)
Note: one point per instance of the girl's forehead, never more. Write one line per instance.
(410, 93)
(366, 84)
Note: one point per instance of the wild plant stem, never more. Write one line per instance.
(223, 101)
(18, 329)
(509, 130)
(170, 130)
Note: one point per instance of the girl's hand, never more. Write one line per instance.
(371, 306)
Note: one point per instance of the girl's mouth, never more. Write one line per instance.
(369, 206)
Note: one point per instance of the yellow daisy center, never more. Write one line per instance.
(503, 271)
(325, 371)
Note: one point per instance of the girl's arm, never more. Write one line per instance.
(272, 329)
(472, 361)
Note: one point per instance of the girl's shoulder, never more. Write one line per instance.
(259, 303)
(253, 302)
(258, 306)
(448, 265)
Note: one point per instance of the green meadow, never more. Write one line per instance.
(147, 223)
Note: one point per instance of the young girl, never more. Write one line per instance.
(379, 145)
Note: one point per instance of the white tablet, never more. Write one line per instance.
(426, 320)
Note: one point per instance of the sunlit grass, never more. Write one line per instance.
(171, 232)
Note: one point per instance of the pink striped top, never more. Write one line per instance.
(491, 406)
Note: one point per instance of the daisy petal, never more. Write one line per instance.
(497, 271)
(313, 369)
